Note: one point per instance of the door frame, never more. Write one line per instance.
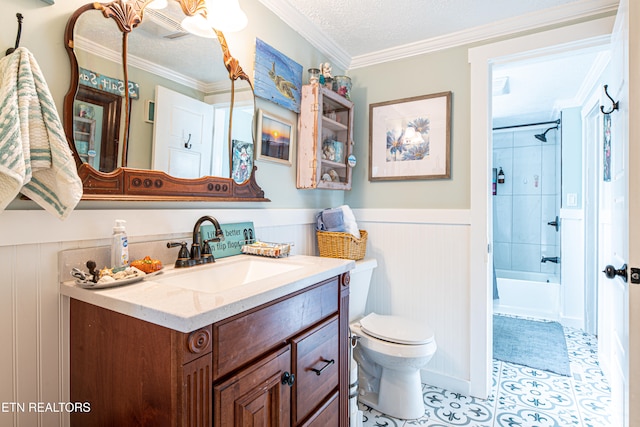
(109, 138)
(591, 131)
(633, 389)
(481, 60)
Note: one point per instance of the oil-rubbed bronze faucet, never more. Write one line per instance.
(201, 254)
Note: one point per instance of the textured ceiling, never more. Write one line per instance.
(365, 26)
(358, 33)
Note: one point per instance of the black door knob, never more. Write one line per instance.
(611, 272)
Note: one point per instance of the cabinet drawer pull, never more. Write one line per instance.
(327, 364)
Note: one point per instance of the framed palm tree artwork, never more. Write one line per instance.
(277, 78)
(410, 138)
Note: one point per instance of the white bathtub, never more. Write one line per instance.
(528, 294)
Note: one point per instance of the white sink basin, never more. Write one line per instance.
(226, 275)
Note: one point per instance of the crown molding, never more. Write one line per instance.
(531, 21)
(318, 39)
(544, 18)
(151, 67)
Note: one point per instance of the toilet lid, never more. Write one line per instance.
(395, 329)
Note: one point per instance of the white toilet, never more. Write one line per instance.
(390, 352)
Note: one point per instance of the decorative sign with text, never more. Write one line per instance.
(107, 84)
(235, 235)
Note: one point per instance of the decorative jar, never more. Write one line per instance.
(342, 85)
(314, 75)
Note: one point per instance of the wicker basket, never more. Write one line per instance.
(342, 245)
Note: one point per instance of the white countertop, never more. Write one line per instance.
(167, 300)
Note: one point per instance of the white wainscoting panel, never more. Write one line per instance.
(303, 237)
(423, 273)
(32, 355)
(572, 268)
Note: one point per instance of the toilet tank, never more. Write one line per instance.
(359, 287)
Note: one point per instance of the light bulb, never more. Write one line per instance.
(158, 4)
(226, 15)
(198, 25)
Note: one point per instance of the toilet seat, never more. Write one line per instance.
(395, 329)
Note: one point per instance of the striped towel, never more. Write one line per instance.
(35, 158)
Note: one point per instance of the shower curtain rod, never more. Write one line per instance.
(528, 124)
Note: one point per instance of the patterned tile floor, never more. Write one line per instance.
(521, 396)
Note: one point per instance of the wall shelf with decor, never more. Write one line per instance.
(325, 139)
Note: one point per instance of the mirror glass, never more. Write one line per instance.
(160, 54)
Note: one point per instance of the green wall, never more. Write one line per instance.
(442, 71)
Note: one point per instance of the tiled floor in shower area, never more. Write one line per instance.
(522, 397)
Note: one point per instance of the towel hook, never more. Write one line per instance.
(615, 103)
(12, 49)
(187, 143)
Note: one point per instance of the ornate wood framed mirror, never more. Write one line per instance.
(109, 40)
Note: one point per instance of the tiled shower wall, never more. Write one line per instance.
(527, 201)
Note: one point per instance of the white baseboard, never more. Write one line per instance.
(446, 382)
(572, 322)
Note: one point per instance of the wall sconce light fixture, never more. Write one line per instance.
(223, 15)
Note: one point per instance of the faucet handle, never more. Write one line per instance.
(206, 254)
(195, 252)
(183, 255)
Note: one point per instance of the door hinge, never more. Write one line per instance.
(635, 275)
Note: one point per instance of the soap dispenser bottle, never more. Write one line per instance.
(119, 246)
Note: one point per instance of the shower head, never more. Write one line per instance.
(543, 136)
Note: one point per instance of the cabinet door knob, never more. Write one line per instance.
(327, 363)
(288, 379)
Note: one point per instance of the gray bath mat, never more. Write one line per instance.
(538, 345)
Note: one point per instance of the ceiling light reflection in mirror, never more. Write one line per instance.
(223, 15)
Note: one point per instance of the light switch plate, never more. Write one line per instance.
(572, 199)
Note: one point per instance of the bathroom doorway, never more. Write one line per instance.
(595, 33)
(536, 154)
(526, 225)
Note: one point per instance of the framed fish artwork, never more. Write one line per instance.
(277, 78)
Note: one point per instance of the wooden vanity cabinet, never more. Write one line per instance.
(257, 395)
(284, 363)
(136, 373)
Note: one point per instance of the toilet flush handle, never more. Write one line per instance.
(354, 340)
